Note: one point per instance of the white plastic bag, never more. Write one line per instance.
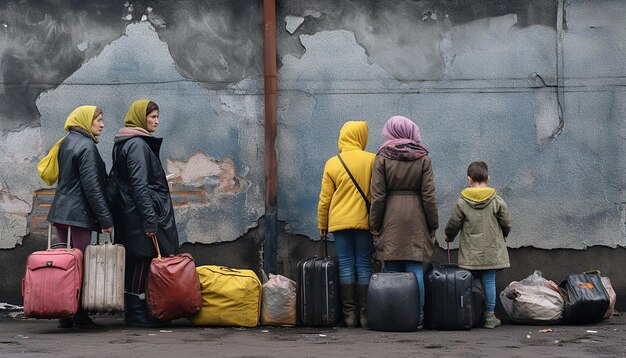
(279, 302)
(534, 300)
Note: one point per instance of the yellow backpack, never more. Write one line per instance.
(230, 297)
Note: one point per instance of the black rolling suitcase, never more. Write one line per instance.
(318, 290)
(393, 302)
(448, 301)
(586, 299)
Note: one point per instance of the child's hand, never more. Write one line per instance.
(448, 239)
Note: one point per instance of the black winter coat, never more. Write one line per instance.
(143, 203)
(80, 194)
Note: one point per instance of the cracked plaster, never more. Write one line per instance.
(139, 65)
(494, 118)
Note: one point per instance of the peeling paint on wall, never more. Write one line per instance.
(459, 69)
(20, 146)
(200, 137)
(202, 170)
(395, 27)
(292, 23)
(38, 49)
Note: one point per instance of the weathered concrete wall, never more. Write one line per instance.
(534, 87)
(507, 85)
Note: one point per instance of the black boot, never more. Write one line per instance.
(349, 306)
(136, 312)
(362, 293)
(66, 322)
(82, 320)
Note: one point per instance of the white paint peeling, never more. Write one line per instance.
(195, 169)
(128, 17)
(313, 13)
(293, 22)
(201, 170)
(149, 9)
(144, 18)
(12, 205)
(20, 146)
(83, 46)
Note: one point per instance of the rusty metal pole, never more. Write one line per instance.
(270, 241)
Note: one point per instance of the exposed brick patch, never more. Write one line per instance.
(37, 219)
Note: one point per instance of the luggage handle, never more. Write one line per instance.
(98, 238)
(69, 236)
(593, 272)
(323, 246)
(156, 245)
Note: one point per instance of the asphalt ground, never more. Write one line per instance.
(20, 337)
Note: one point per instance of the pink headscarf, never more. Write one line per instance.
(401, 130)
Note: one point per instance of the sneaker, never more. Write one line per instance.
(491, 321)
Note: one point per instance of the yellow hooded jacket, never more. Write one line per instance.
(340, 205)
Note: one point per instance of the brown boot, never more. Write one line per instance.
(349, 306)
(362, 291)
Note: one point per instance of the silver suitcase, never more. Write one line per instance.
(103, 283)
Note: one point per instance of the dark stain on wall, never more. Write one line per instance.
(40, 39)
(379, 25)
(217, 43)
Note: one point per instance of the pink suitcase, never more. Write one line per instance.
(51, 285)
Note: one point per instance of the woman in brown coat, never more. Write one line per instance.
(404, 214)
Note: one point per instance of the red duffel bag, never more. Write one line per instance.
(173, 286)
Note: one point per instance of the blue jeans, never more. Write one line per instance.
(488, 277)
(409, 266)
(354, 250)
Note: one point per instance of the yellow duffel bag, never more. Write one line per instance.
(230, 297)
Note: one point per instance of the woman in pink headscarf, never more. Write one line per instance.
(404, 214)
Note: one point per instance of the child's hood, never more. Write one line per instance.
(478, 198)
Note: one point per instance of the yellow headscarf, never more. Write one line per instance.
(136, 115)
(48, 167)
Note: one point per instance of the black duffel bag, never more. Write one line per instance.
(586, 299)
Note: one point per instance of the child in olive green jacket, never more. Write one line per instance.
(483, 219)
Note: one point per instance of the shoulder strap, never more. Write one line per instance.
(367, 202)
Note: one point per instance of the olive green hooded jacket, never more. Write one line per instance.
(483, 219)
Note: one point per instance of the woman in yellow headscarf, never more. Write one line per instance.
(79, 201)
(143, 204)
